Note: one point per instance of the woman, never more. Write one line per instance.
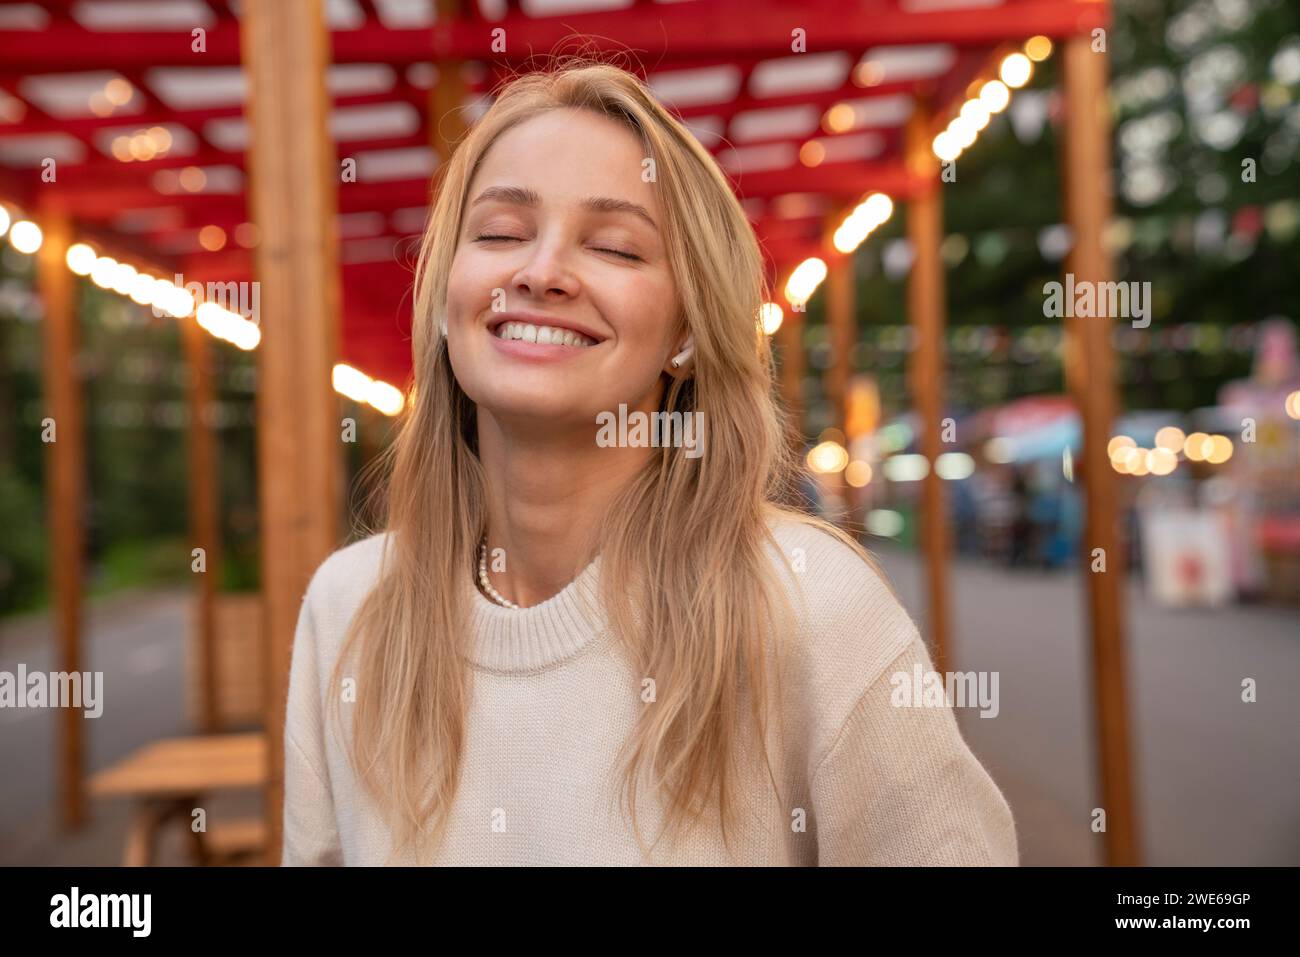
(579, 640)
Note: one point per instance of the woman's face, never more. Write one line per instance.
(560, 301)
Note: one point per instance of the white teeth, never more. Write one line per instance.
(542, 335)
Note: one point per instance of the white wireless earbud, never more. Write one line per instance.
(684, 356)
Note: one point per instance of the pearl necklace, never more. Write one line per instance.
(483, 578)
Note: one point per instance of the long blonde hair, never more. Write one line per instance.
(679, 523)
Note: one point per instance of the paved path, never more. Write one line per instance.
(139, 640)
(1218, 780)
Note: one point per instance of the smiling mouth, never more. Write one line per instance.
(542, 335)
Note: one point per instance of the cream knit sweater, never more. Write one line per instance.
(862, 781)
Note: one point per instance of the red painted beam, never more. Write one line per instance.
(86, 126)
(388, 279)
(736, 30)
(823, 99)
(843, 180)
(90, 203)
(15, 189)
(108, 172)
(951, 90)
(801, 229)
(783, 256)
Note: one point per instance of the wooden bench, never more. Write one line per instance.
(169, 779)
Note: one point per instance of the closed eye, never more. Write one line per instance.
(632, 257)
(491, 238)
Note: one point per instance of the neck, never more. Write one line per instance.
(547, 494)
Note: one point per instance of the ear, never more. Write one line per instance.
(679, 366)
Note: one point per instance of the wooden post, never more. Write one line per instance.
(447, 96)
(926, 312)
(205, 528)
(790, 341)
(294, 187)
(843, 331)
(1086, 161)
(66, 477)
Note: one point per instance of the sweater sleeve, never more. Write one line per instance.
(311, 835)
(900, 786)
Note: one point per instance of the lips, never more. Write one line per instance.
(538, 328)
(542, 335)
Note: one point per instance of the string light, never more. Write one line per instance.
(826, 458)
(1171, 437)
(1038, 48)
(166, 297)
(80, 259)
(992, 97)
(976, 113)
(359, 387)
(1015, 71)
(25, 236)
(771, 316)
(862, 221)
(995, 95)
(231, 327)
(858, 474)
(805, 279)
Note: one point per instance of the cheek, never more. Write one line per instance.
(647, 306)
(457, 284)
(469, 283)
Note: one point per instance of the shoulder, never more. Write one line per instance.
(809, 543)
(335, 592)
(840, 594)
(849, 626)
(340, 584)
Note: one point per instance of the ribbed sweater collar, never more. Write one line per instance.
(523, 640)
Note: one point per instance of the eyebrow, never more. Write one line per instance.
(520, 196)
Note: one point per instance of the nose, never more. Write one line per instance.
(546, 275)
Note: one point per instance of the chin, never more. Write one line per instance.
(543, 406)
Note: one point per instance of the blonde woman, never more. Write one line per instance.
(579, 640)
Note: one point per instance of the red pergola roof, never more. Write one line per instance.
(727, 67)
